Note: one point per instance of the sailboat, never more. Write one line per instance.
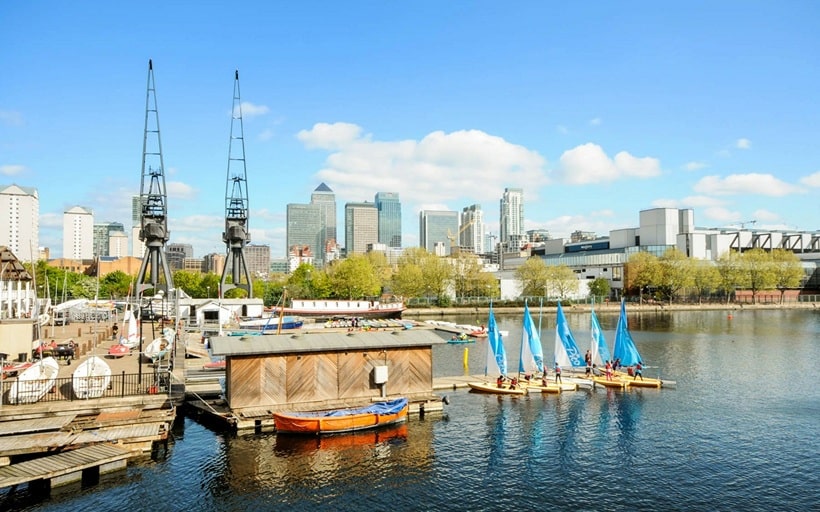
(567, 353)
(496, 363)
(531, 360)
(600, 350)
(91, 378)
(130, 340)
(162, 346)
(34, 382)
(627, 352)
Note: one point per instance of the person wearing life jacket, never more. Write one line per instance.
(638, 371)
(500, 381)
(558, 374)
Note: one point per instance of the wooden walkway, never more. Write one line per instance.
(65, 467)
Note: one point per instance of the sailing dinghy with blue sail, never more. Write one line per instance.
(627, 352)
(496, 364)
(531, 360)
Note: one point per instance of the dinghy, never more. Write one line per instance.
(91, 378)
(34, 382)
(342, 420)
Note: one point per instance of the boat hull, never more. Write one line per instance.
(645, 383)
(615, 383)
(486, 387)
(91, 378)
(344, 420)
(34, 382)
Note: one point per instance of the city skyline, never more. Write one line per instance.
(596, 111)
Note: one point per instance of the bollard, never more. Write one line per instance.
(79, 331)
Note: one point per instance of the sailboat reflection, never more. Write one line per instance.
(294, 443)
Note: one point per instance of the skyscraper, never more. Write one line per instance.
(78, 233)
(20, 221)
(472, 221)
(306, 227)
(361, 227)
(102, 236)
(436, 227)
(511, 218)
(389, 207)
(325, 199)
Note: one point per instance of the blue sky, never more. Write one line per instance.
(596, 109)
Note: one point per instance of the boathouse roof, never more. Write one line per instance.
(321, 342)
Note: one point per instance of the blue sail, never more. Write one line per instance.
(600, 351)
(532, 354)
(496, 356)
(625, 349)
(566, 350)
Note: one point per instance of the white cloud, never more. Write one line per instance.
(439, 168)
(752, 183)
(812, 180)
(765, 216)
(11, 170)
(329, 136)
(693, 166)
(251, 110)
(595, 122)
(689, 202)
(721, 215)
(743, 144)
(588, 163)
(179, 190)
(11, 118)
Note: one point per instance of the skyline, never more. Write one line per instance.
(596, 111)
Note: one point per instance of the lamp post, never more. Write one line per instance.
(208, 288)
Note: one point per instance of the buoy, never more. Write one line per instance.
(466, 366)
(730, 316)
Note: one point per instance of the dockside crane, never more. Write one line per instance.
(236, 235)
(153, 200)
(455, 248)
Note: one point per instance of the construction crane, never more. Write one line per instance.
(454, 247)
(236, 235)
(153, 200)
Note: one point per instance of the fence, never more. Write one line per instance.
(122, 385)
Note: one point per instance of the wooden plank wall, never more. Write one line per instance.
(299, 380)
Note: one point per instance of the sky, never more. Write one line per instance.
(596, 109)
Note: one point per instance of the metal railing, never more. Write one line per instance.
(119, 386)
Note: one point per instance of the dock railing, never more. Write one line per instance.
(120, 385)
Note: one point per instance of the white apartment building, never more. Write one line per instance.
(20, 221)
(78, 233)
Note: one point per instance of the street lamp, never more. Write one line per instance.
(209, 291)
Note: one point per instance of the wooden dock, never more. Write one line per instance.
(81, 464)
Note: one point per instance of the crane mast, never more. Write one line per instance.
(153, 200)
(236, 235)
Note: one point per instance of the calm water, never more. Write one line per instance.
(740, 432)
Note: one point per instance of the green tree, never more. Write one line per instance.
(562, 280)
(115, 284)
(599, 288)
(354, 278)
(534, 277)
(189, 282)
(732, 277)
(705, 278)
(788, 272)
(467, 271)
(675, 273)
(300, 282)
(437, 276)
(758, 270)
(408, 281)
(641, 272)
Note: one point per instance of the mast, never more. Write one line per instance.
(236, 235)
(153, 200)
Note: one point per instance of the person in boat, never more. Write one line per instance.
(608, 370)
(513, 383)
(500, 381)
(544, 381)
(638, 371)
(558, 374)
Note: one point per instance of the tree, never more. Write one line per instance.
(407, 281)
(675, 273)
(788, 272)
(731, 273)
(421, 274)
(190, 283)
(562, 280)
(467, 271)
(641, 272)
(705, 277)
(599, 288)
(533, 275)
(354, 278)
(759, 274)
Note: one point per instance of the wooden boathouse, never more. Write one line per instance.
(325, 370)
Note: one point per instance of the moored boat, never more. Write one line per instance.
(34, 382)
(342, 420)
(332, 308)
(504, 389)
(91, 378)
(271, 324)
(118, 350)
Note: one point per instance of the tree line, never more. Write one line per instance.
(420, 274)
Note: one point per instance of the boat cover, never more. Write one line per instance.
(387, 407)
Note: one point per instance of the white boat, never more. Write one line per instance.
(34, 382)
(131, 339)
(270, 324)
(160, 347)
(329, 308)
(91, 378)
